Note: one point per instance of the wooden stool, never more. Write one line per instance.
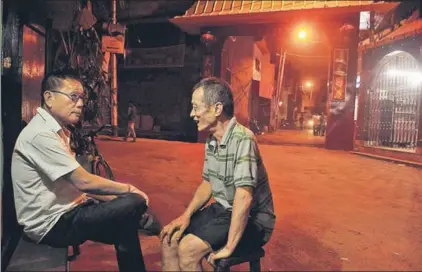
(253, 257)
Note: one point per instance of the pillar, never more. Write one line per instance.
(212, 46)
(11, 104)
(342, 93)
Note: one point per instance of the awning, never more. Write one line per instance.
(406, 30)
(222, 13)
(128, 11)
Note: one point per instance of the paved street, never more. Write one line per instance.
(335, 210)
(293, 138)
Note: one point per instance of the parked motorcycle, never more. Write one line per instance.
(255, 127)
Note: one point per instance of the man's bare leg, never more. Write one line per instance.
(170, 255)
(191, 252)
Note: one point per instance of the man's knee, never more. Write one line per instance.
(134, 200)
(191, 250)
(133, 203)
(170, 248)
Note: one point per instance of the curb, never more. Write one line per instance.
(292, 144)
(389, 159)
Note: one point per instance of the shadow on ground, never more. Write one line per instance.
(297, 250)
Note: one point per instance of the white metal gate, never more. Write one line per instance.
(392, 119)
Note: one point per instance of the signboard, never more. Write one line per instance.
(364, 21)
(340, 64)
(266, 90)
(158, 57)
(115, 44)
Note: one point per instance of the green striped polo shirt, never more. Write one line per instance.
(235, 162)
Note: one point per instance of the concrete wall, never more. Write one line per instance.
(267, 87)
(240, 53)
(267, 77)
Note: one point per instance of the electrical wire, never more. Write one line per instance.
(307, 56)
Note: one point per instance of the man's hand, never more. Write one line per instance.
(220, 254)
(176, 227)
(133, 189)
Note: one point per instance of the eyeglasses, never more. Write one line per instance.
(74, 97)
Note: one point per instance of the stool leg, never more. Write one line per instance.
(222, 269)
(219, 267)
(67, 269)
(255, 266)
(76, 250)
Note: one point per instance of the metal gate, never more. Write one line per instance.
(393, 101)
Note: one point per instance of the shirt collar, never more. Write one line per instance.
(212, 141)
(51, 123)
(228, 131)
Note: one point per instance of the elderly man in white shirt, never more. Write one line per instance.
(51, 188)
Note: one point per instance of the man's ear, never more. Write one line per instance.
(48, 98)
(218, 108)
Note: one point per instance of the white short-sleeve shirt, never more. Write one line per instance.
(41, 157)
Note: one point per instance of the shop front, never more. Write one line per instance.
(390, 114)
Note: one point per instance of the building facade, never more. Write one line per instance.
(268, 24)
(389, 120)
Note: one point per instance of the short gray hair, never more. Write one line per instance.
(217, 90)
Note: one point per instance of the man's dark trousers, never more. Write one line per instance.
(115, 222)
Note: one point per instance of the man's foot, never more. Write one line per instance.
(124, 139)
(134, 140)
(149, 225)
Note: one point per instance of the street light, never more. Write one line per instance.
(309, 84)
(302, 34)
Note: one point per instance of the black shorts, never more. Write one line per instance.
(212, 225)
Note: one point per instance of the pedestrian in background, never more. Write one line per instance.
(130, 132)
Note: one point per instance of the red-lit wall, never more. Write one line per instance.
(33, 57)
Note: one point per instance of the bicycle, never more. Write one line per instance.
(88, 154)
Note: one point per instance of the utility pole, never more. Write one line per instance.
(114, 115)
(329, 83)
(282, 64)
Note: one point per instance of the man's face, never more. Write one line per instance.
(204, 116)
(66, 103)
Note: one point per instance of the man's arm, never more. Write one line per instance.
(95, 185)
(241, 206)
(200, 198)
(104, 189)
(103, 198)
(203, 192)
(178, 225)
(245, 181)
(49, 156)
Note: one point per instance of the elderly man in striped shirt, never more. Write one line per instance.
(242, 215)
